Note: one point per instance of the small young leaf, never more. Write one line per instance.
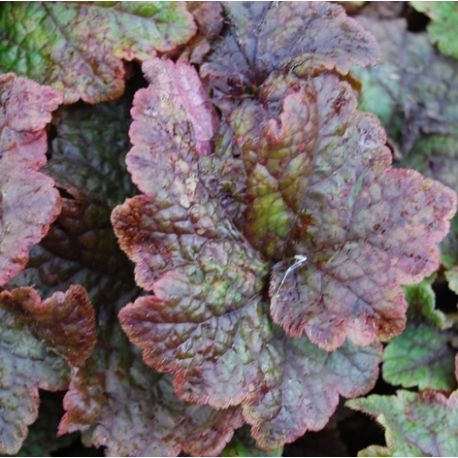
(29, 201)
(416, 424)
(77, 47)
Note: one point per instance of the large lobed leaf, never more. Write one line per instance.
(416, 424)
(29, 201)
(207, 322)
(77, 47)
(114, 399)
(299, 176)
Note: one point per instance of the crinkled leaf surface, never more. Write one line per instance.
(114, 397)
(424, 354)
(263, 37)
(29, 201)
(319, 184)
(87, 161)
(77, 47)
(443, 25)
(207, 322)
(416, 424)
(124, 405)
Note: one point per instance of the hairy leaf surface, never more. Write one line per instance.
(424, 354)
(416, 424)
(29, 201)
(77, 47)
(207, 322)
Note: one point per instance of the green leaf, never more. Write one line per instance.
(443, 25)
(416, 424)
(452, 278)
(423, 355)
(78, 48)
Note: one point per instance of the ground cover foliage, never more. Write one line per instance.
(229, 229)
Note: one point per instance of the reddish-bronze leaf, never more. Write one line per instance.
(207, 322)
(264, 37)
(65, 321)
(34, 334)
(29, 201)
(132, 410)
